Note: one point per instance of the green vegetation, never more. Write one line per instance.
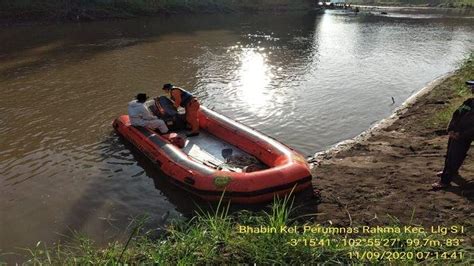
(21, 10)
(456, 84)
(96, 9)
(215, 238)
(429, 3)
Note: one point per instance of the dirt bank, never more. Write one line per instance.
(388, 170)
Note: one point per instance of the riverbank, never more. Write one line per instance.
(25, 11)
(388, 170)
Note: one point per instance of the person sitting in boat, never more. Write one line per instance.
(140, 115)
(185, 99)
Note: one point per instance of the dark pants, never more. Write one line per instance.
(457, 151)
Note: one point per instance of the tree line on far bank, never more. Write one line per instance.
(83, 10)
(96, 9)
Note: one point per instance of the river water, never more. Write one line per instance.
(307, 80)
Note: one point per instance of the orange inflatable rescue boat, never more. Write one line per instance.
(226, 156)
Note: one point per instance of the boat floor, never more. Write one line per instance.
(208, 150)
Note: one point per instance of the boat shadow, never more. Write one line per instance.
(190, 205)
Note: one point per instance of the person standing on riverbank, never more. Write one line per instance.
(186, 100)
(140, 115)
(461, 135)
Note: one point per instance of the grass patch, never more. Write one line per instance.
(217, 237)
(457, 90)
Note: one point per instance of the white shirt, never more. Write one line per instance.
(139, 113)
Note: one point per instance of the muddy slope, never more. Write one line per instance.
(386, 173)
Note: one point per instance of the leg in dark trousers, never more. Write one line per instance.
(455, 155)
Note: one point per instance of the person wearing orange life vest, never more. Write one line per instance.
(185, 99)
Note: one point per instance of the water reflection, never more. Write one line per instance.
(254, 78)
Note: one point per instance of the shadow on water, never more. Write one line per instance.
(186, 203)
(30, 48)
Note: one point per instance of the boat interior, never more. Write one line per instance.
(219, 154)
(205, 148)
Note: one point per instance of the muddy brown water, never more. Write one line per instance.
(307, 80)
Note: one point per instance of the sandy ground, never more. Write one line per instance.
(386, 173)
